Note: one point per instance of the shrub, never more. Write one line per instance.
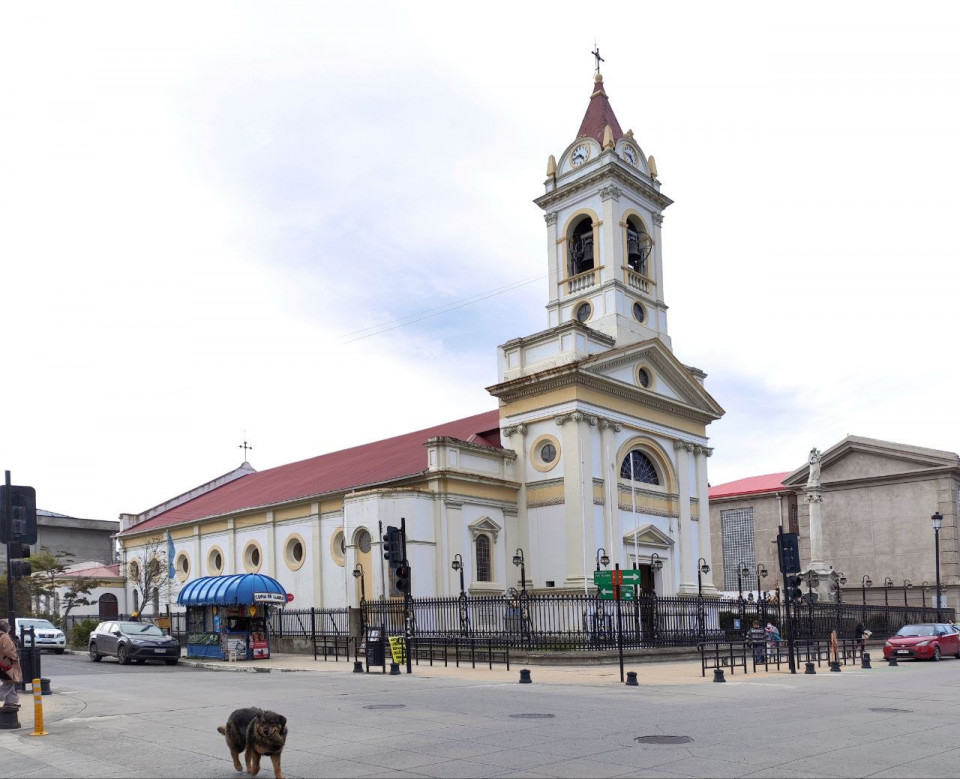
(82, 631)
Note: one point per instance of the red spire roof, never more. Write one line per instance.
(752, 485)
(361, 466)
(599, 114)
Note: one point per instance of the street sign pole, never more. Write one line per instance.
(786, 591)
(617, 589)
(11, 616)
(407, 626)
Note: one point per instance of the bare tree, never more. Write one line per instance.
(49, 576)
(147, 570)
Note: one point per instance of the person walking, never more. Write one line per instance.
(10, 672)
(773, 639)
(757, 638)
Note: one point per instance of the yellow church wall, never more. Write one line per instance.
(472, 489)
(251, 520)
(301, 511)
(209, 528)
(605, 401)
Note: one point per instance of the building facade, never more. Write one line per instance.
(598, 442)
(878, 500)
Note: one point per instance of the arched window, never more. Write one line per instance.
(581, 247)
(638, 467)
(638, 246)
(484, 571)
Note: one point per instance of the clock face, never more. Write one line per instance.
(630, 153)
(580, 154)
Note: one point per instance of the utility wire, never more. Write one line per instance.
(410, 319)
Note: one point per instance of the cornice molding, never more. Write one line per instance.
(608, 171)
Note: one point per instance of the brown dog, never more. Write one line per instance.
(255, 732)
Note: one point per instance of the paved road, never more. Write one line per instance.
(107, 720)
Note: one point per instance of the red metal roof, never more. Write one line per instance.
(753, 485)
(366, 465)
(93, 569)
(599, 114)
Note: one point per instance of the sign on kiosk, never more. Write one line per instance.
(269, 597)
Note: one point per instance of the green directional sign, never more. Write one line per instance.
(628, 578)
(606, 592)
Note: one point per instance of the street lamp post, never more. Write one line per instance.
(358, 574)
(907, 584)
(458, 566)
(923, 596)
(761, 572)
(887, 582)
(937, 522)
(839, 580)
(602, 558)
(702, 568)
(864, 583)
(742, 571)
(518, 560)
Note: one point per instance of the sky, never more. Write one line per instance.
(203, 207)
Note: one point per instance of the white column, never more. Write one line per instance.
(701, 453)
(685, 529)
(612, 535)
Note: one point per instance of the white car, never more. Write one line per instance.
(47, 635)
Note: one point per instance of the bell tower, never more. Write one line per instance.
(603, 209)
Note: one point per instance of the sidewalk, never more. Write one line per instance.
(686, 672)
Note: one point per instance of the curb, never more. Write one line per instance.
(238, 667)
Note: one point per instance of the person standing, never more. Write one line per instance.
(10, 672)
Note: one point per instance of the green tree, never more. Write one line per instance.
(49, 575)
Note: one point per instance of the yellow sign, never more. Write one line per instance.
(162, 622)
(252, 611)
(398, 649)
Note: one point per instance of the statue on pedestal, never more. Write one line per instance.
(814, 459)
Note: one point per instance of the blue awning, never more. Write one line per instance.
(238, 589)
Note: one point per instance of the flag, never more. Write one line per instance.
(170, 553)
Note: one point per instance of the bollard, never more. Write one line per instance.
(394, 669)
(38, 710)
(358, 666)
(632, 679)
(865, 660)
(811, 669)
(525, 676)
(8, 720)
(892, 661)
(44, 686)
(835, 666)
(718, 675)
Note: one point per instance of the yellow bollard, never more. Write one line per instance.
(38, 710)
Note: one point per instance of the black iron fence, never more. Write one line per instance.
(582, 622)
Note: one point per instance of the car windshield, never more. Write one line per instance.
(917, 630)
(43, 624)
(138, 629)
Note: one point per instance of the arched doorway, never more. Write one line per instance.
(108, 607)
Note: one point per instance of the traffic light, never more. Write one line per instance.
(19, 567)
(793, 588)
(21, 524)
(393, 546)
(402, 578)
(789, 553)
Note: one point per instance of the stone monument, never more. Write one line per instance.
(818, 570)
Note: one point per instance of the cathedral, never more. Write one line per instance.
(597, 447)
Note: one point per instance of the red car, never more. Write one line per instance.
(924, 642)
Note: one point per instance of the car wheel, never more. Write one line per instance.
(172, 660)
(122, 655)
(94, 654)
(60, 651)
(936, 653)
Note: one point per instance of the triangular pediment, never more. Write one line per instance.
(669, 378)
(484, 525)
(648, 535)
(856, 458)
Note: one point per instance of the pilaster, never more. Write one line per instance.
(577, 495)
(612, 537)
(517, 434)
(685, 529)
(701, 453)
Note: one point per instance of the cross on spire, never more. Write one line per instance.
(596, 53)
(245, 446)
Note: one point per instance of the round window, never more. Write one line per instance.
(215, 561)
(251, 557)
(638, 313)
(296, 551)
(583, 312)
(548, 453)
(643, 377)
(183, 565)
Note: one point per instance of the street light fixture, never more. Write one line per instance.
(907, 584)
(864, 583)
(839, 581)
(937, 521)
(887, 582)
(923, 592)
(457, 565)
(519, 561)
(761, 573)
(702, 568)
(742, 571)
(656, 564)
(602, 559)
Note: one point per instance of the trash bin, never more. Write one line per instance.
(30, 665)
(374, 648)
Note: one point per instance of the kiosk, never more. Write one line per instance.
(228, 616)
